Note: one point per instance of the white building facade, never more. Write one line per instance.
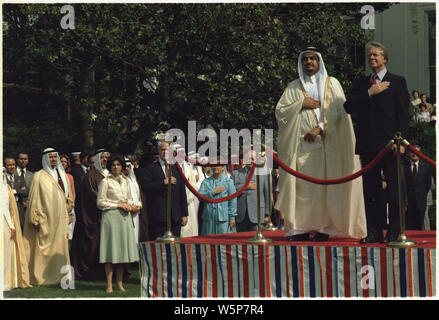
(408, 30)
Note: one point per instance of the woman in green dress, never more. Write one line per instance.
(117, 243)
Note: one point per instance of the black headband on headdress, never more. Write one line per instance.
(102, 150)
(49, 151)
(310, 49)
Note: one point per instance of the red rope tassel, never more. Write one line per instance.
(230, 197)
(421, 155)
(331, 181)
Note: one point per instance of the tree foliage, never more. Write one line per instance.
(129, 70)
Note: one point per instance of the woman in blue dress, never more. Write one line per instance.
(218, 218)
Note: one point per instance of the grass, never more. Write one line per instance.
(83, 289)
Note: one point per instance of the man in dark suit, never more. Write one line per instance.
(418, 178)
(381, 105)
(18, 186)
(154, 184)
(78, 172)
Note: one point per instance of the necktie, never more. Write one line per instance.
(415, 172)
(374, 78)
(11, 180)
(22, 172)
(61, 184)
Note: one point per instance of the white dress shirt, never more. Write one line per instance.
(311, 87)
(380, 77)
(413, 164)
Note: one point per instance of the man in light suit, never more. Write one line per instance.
(22, 170)
(247, 206)
(18, 186)
(418, 178)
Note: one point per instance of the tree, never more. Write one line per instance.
(128, 70)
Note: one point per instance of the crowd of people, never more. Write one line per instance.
(91, 212)
(104, 204)
(423, 110)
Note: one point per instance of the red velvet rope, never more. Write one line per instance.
(421, 155)
(353, 176)
(230, 197)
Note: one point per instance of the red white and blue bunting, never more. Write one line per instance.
(182, 270)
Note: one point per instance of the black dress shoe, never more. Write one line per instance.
(371, 239)
(391, 237)
(300, 237)
(321, 237)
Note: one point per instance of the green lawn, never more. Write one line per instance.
(83, 289)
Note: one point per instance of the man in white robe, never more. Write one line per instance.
(135, 193)
(316, 138)
(15, 267)
(191, 228)
(45, 233)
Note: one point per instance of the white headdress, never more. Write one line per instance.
(4, 196)
(97, 162)
(314, 85)
(134, 187)
(53, 171)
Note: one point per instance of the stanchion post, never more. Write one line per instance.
(168, 237)
(402, 241)
(259, 238)
(269, 226)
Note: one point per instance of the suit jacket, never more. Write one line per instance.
(156, 191)
(78, 175)
(17, 185)
(418, 189)
(378, 117)
(20, 194)
(28, 177)
(248, 199)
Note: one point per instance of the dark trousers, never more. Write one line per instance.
(246, 224)
(374, 197)
(158, 229)
(415, 216)
(21, 214)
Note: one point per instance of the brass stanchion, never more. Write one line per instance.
(269, 226)
(402, 241)
(259, 238)
(168, 237)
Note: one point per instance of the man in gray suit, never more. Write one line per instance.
(22, 170)
(247, 207)
(18, 186)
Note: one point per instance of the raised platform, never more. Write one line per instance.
(226, 266)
